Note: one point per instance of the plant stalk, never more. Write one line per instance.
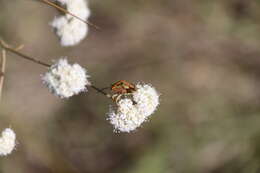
(37, 61)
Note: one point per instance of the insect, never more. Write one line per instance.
(120, 88)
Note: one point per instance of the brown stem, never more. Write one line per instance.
(67, 12)
(15, 51)
(100, 91)
(2, 72)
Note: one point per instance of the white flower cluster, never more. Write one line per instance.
(71, 30)
(65, 80)
(7, 142)
(129, 114)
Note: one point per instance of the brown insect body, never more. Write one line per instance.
(123, 87)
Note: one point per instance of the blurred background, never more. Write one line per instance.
(202, 56)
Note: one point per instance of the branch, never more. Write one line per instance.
(13, 50)
(67, 12)
(5, 46)
(2, 72)
(101, 91)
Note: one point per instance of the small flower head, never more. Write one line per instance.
(133, 106)
(71, 32)
(65, 80)
(125, 117)
(7, 142)
(70, 29)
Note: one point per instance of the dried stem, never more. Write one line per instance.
(5, 46)
(100, 91)
(15, 51)
(67, 12)
(2, 72)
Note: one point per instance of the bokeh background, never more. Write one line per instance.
(202, 56)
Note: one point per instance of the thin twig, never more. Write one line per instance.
(2, 72)
(67, 12)
(15, 51)
(100, 91)
(5, 46)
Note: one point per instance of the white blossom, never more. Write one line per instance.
(65, 80)
(71, 32)
(146, 98)
(125, 116)
(70, 29)
(7, 142)
(131, 111)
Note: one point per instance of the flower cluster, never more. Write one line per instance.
(71, 30)
(131, 111)
(7, 142)
(65, 80)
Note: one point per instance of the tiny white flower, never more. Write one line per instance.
(70, 29)
(7, 142)
(125, 116)
(65, 80)
(146, 98)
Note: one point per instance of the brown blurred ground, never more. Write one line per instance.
(202, 56)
